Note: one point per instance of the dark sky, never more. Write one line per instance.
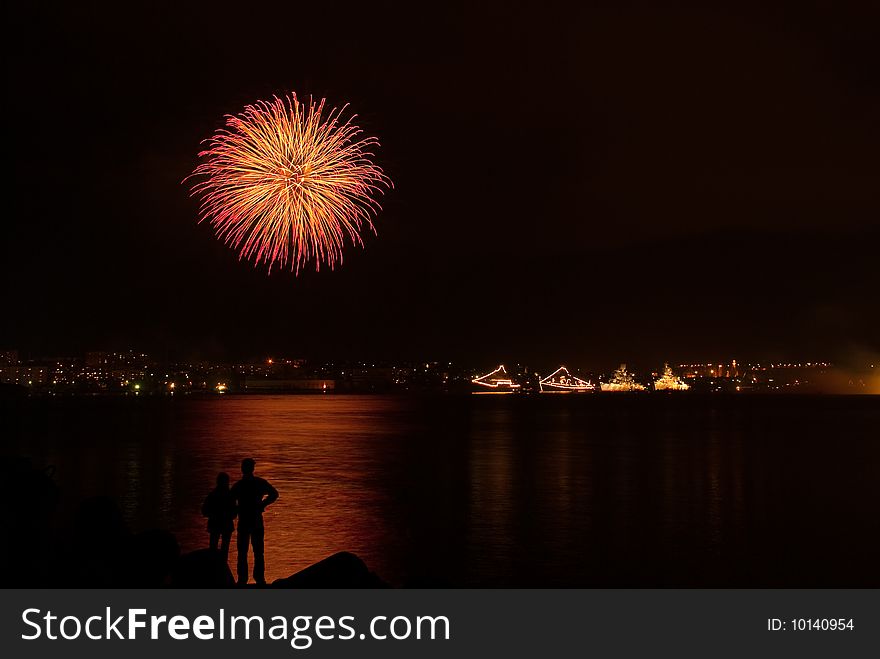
(590, 183)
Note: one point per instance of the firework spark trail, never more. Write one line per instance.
(284, 184)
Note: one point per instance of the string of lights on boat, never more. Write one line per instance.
(562, 381)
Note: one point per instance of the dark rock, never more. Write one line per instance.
(342, 570)
(152, 556)
(28, 500)
(99, 523)
(100, 545)
(204, 568)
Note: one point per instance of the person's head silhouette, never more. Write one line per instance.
(247, 466)
(223, 480)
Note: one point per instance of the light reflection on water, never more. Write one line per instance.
(321, 453)
(498, 490)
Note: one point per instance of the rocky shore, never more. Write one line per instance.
(99, 550)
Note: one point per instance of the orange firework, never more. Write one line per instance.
(285, 185)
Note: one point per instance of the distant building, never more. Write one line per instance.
(124, 360)
(97, 359)
(369, 379)
(709, 370)
(25, 375)
(299, 384)
(65, 371)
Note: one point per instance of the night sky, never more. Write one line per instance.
(588, 184)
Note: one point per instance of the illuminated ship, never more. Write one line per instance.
(622, 381)
(561, 381)
(670, 382)
(498, 381)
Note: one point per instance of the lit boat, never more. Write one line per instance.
(670, 382)
(561, 381)
(497, 382)
(622, 380)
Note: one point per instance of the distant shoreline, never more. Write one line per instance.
(20, 394)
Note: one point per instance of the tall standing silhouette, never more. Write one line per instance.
(253, 495)
(219, 508)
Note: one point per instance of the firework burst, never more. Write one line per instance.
(285, 184)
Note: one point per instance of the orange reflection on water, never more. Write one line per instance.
(320, 453)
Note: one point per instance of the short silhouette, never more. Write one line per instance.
(249, 493)
(220, 509)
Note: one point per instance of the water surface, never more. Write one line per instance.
(604, 490)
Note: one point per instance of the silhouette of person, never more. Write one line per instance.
(249, 493)
(220, 509)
